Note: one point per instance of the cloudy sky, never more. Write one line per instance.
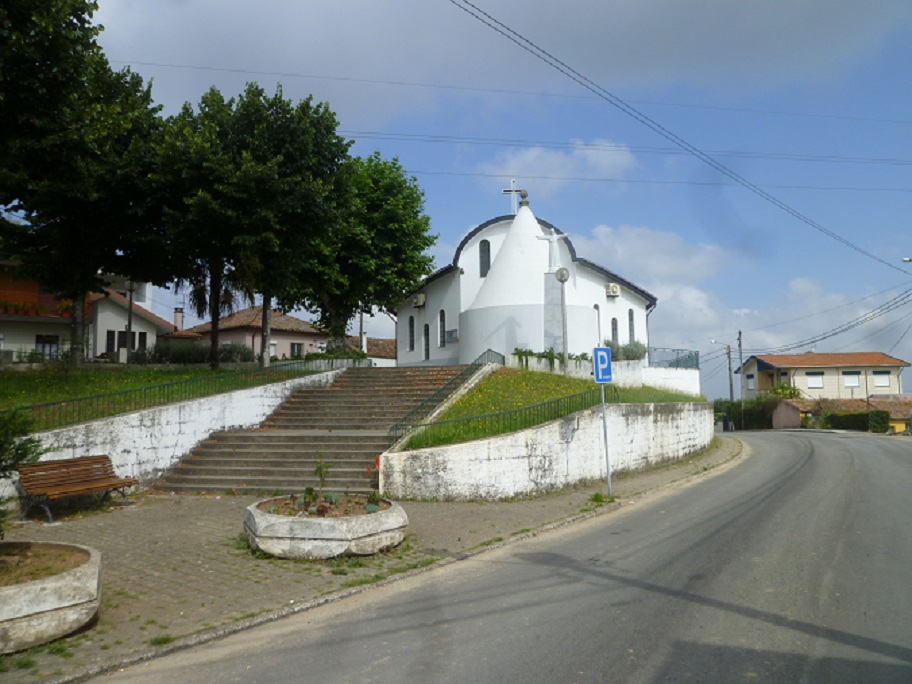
(795, 230)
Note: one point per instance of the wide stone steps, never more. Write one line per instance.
(345, 425)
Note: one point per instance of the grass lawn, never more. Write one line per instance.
(483, 411)
(27, 388)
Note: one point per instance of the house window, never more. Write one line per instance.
(484, 258)
(297, 350)
(851, 378)
(427, 342)
(751, 381)
(881, 378)
(614, 330)
(48, 345)
(142, 341)
(630, 325)
(122, 339)
(815, 379)
(411, 333)
(110, 342)
(441, 333)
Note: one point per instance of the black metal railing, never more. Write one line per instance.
(71, 411)
(660, 357)
(402, 426)
(479, 427)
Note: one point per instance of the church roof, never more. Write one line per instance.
(650, 298)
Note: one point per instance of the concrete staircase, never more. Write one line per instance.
(344, 424)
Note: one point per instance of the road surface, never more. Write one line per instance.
(793, 566)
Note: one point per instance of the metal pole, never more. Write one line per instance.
(605, 432)
(564, 322)
(731, 378)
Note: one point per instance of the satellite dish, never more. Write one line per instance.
(562, 275)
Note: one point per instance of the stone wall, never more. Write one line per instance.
(145, 443)
(562, 452)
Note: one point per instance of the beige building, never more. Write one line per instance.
(290, 337)
(849, 375)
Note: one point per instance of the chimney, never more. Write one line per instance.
(178, 318)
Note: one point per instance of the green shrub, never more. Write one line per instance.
(16, 448)
(757, 414)
(879, 421)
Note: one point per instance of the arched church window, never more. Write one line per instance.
(614, 330)
(484, 258)
(441, 333)
(411, 333)
(630, 325)
(427, 342)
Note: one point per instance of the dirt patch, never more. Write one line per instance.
(323, 506)
(27, 561)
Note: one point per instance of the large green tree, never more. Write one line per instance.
(378, 245)
(87, 213)
(251, 182)
(47, 47)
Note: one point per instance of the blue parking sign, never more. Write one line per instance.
(602, 364)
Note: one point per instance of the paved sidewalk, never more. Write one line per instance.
(176, 571)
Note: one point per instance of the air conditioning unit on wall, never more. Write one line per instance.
(612, 290)
(419, 300)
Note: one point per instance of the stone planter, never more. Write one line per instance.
(314, 538)
(36, 612)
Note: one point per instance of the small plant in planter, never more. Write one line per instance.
(16, 448)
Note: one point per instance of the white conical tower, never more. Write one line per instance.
(507, 312)
(515, 275)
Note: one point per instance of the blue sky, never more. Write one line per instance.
(809, 101)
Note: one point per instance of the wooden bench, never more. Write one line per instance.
(48, 481)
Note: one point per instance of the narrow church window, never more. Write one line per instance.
(630, 325)
(441, 333)
(614, 330)
(484, 258)
(427, 342)
(411, 333)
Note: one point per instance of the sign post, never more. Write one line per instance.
(601, 365)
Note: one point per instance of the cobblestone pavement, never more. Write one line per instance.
(176, 570)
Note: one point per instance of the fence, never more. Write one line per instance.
(660, 357)
(402, 426)
(467, 429)
(68, 412)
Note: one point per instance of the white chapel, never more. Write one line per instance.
(503, 292)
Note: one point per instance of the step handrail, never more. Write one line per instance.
(404, 424)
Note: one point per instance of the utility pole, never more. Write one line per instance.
(741, 364)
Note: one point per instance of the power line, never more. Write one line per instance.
(497, 91)
(552, 61)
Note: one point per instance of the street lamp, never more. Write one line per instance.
(731, 381)
(598, 324)
(563, 275)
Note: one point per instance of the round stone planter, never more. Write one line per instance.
(314, 538)
(39, 611)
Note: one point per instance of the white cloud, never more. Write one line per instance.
(595, 159)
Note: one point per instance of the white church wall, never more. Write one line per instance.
(441, 294)
(501, 328)
(469, 259)
(557, 454)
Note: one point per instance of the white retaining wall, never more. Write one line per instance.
(145, 443)
(623, 373)
(559, 453)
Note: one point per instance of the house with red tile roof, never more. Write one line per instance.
(290, 337)
(847, 375)
(33, 323)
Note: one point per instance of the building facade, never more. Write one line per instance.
(511, 283)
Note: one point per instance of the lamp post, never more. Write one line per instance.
(598, 325)
(731, 381)
(563, 275)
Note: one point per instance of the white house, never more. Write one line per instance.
(502, 292)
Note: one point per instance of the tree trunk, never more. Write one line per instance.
(77, 332)
(215, 310)
(266, 332)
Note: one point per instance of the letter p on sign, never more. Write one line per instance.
(602, 364)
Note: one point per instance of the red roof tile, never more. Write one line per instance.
(834, 360)
(252, 318)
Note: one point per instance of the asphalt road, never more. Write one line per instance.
(793, 566)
